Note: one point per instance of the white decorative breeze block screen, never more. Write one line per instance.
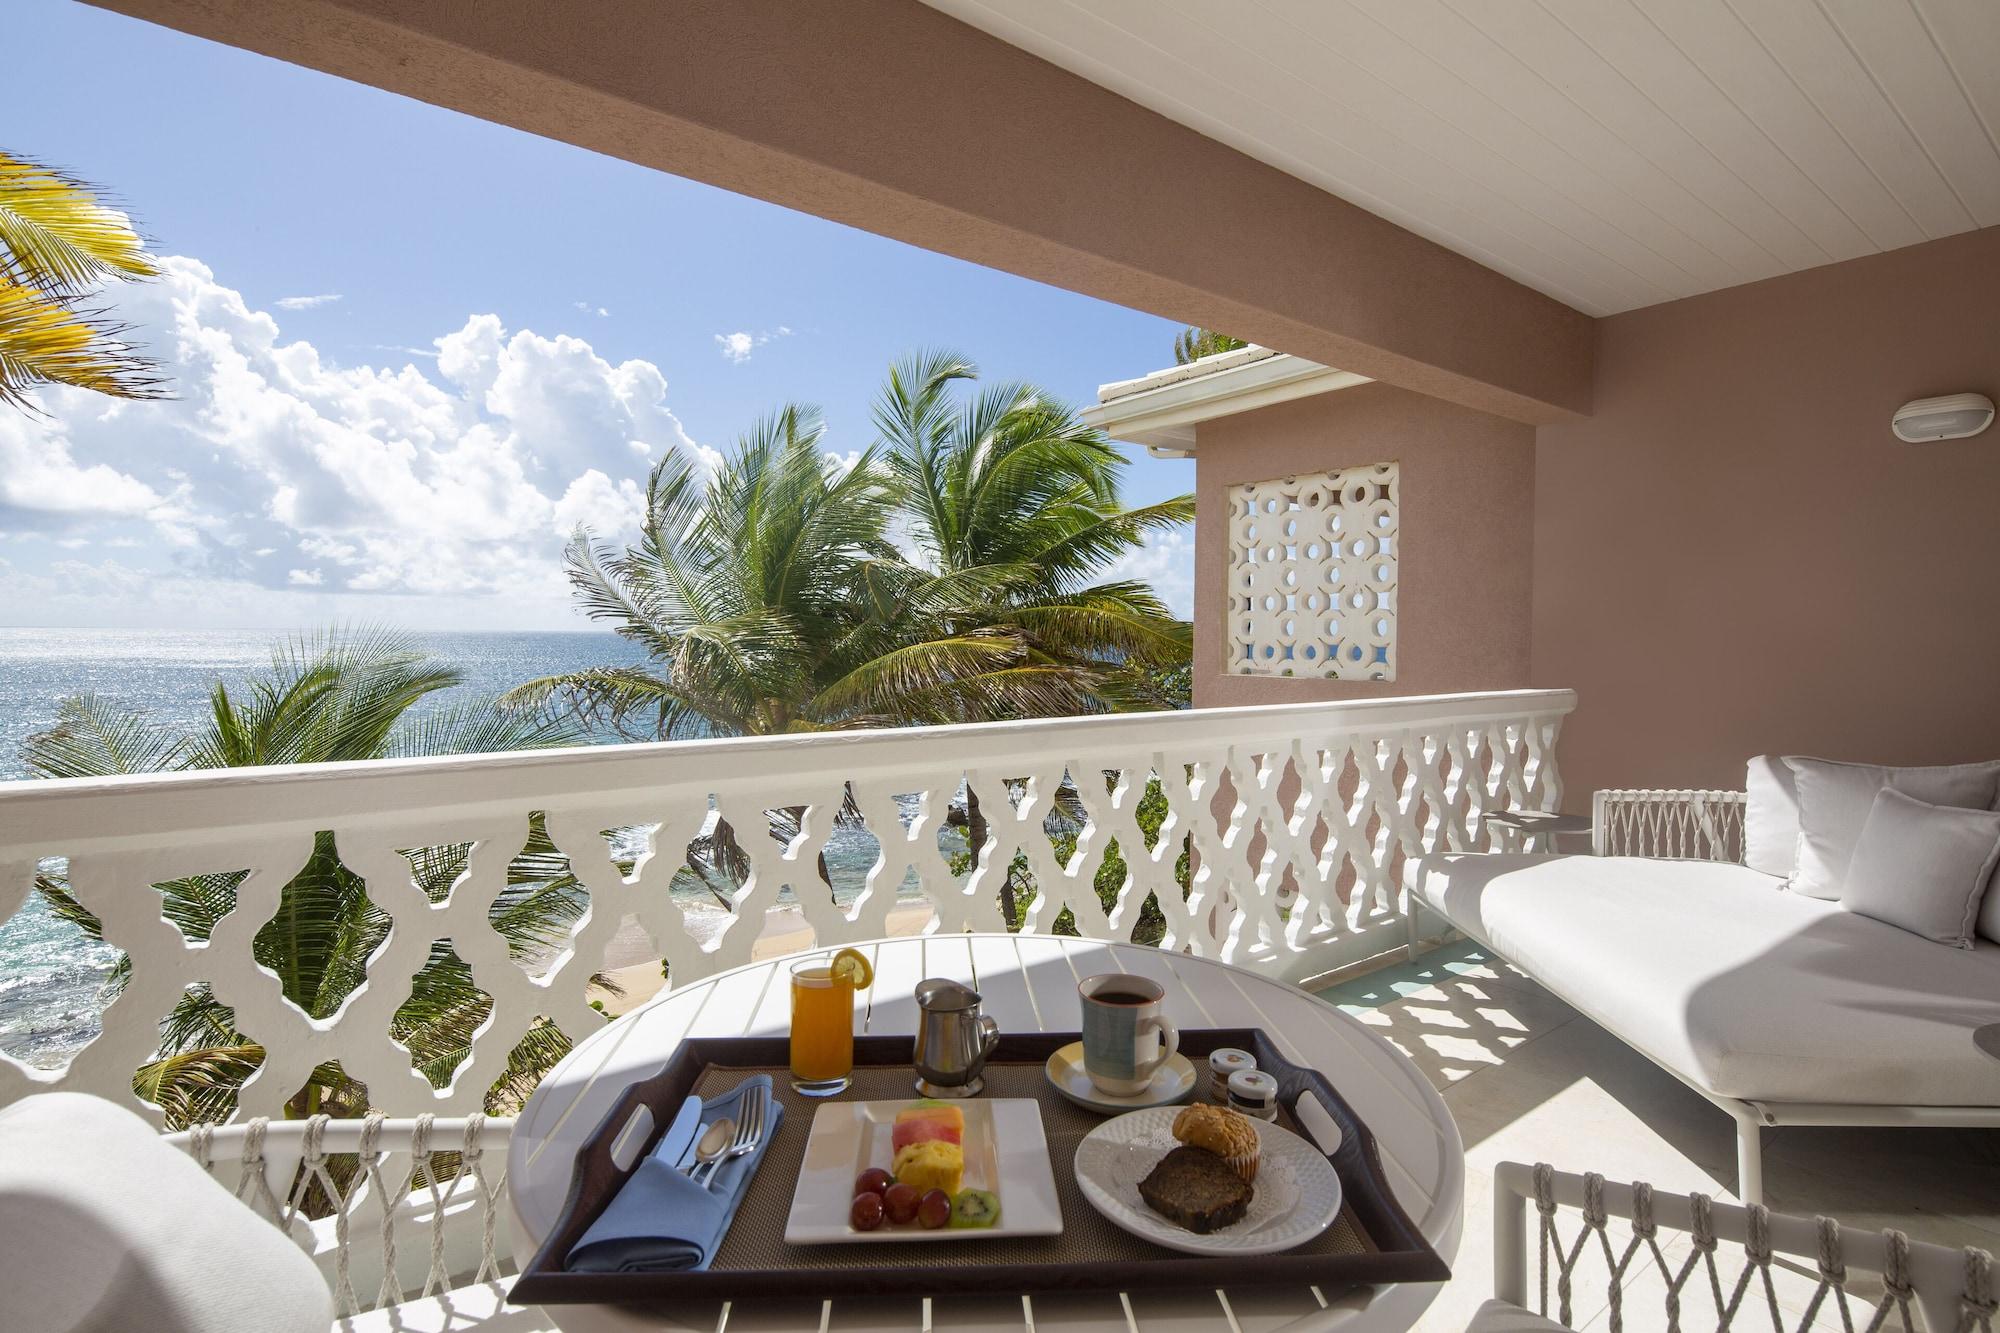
(1312, 569)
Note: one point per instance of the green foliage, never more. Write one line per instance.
(1194, 343)
(953, 571)
(1019, 888)
(58, 242)
(339, 696)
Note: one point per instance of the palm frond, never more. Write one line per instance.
(94, 737)
(48, 340)
(1101, 624)
(480, 726)
(1194, 343)
(877, 685)
(57, 235)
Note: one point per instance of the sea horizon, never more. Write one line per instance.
(52, 977)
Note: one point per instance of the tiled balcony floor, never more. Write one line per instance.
(1529, 1079)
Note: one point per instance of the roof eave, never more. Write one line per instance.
(1164, 418)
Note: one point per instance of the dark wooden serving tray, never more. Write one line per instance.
(1372, 1241)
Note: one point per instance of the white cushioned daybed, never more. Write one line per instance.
(1780, 1006)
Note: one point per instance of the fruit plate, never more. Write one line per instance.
(1005, 1153)
(1297, 1191)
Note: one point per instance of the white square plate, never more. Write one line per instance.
(1005, 1152)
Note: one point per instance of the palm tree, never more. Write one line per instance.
(58, 241)
(1195, 343)
(341, 696)
(1013, 499)
(772, 596)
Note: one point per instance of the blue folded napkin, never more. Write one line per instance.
(663, 1222)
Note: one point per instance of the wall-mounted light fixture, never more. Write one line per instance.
(1952, 417)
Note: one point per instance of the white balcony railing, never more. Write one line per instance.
(1298, 818)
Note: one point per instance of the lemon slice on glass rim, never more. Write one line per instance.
(851, 967)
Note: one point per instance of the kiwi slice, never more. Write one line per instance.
(974, 1208)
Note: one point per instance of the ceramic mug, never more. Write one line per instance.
(1126, 1037)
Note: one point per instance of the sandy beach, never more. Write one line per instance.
(634, 963)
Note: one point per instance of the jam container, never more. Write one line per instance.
(1222, 1062)
(1254, 1093)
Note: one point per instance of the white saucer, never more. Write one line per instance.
(1173, 1082)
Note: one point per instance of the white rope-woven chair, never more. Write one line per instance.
(1725, 1278)
(1687, 824)
(409, 1233)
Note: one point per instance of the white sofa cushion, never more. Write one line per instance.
(1922, 867)
(1834, 800)
(1770, 817)
(1989, 909)
(1741, 991)
(108, 1226)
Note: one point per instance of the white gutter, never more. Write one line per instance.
(1162, 410)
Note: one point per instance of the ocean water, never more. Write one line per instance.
(51, 976)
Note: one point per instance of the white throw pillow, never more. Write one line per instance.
(1989, 913)
(1770, 817)
(1834, 800)
(108, 1226)
(1923, 867)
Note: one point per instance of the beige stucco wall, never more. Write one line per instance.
(1465, 559)
(1733, 554)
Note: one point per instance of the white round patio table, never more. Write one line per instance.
(1029, 984)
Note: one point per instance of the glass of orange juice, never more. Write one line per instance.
(823, 1021)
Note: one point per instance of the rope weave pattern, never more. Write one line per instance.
(1688, 825)
(438, 1174)
(1728, 1298)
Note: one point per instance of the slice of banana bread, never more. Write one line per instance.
(1193, 1188)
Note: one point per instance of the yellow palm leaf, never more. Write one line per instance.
(46, 341)
(56, 235)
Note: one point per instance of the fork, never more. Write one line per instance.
(749, 1133)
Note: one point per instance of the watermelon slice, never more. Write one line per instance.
(927, 1122)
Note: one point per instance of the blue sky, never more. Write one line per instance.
(313, 439)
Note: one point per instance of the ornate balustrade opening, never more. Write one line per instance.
(426, 935)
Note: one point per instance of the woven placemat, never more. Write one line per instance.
(756, 1238)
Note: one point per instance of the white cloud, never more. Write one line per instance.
(594, 501)
(275, 468)
(1167, 562)
(306, 302)
(587, 308)
(737, 347)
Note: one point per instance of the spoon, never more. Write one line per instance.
(715, 1141)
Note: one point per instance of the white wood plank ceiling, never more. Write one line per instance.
(1612, 153)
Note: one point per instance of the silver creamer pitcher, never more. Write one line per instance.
(953, 1039)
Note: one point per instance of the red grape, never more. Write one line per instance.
(900, 1202)
(934, 1210)
(872, 1181)
(865, 1212)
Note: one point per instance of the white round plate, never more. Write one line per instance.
(1172, 1082)
(1297, 1191)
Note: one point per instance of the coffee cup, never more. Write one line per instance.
(1126, 1037)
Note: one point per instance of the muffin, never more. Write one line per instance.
(1226, 1133)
